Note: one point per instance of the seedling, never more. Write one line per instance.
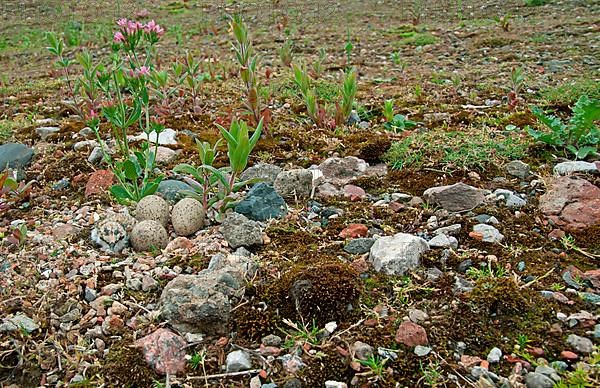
(286, 54)
(517, 79)
(580, 136)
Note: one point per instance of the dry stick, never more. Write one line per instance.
(223, 375)
(537, 279)
(454, 370)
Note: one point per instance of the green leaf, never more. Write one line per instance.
(131, 172)
(185, 168)
(150, 188)
(120, 193)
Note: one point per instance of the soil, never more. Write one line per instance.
(305, 276)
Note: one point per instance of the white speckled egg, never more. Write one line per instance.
(153, 207)
(187, 216)
(148, 235)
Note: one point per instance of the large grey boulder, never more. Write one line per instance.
(340, 171)
(397, 254)
(458, 197)
(202, 303)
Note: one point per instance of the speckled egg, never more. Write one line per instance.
(153, 207)
(148, 235)
(187, 216)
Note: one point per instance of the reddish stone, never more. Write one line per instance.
(485, 364)
(396, 206)
(353, 192)
(593, 277)
(561, 298)
(113, 325)
(99, 182)
(341, 351)
(476, 236)
(360, 265)
(354, 231)
(411, 334)
(536, 352)
(572, 203)
(469, 361)
(269, 350)
(568, 355)
(164, 351)
(556, 234)
(179, 243)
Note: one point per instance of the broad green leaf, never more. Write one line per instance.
(130, 170)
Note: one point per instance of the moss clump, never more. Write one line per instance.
(321, 292)
(126, 366)
(373, 150)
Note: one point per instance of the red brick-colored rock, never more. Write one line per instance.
(164, 351)
(411, 334)
(353, 192)
(572, 203)
(593, 276)
(469, 361)
(99, 182)
(568, 355)
(354, 231)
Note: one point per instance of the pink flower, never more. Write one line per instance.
(122, 22)
(152, 26)
(144, 70)
(93, 114)
(119, 37)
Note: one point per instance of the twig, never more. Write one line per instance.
(454, 370)
(223, 375)
(337, 335)
(537, 279)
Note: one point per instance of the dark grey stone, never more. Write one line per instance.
(262, 203)
(173, 190)
(14, 155)
(358, 246)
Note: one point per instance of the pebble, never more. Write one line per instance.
(238, 360)
(494, 356)
(580, 344)
(422, 351)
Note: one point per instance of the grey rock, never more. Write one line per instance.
(134, 284)
(261, 203)
(417, 316)
(401, 197)
(489, 233)
(518, 169)
(458, 197)
(187, 217)
(511, 200)
(362, 350)
(90, 294)
(494, 356)
(15, 155)
(433, 274)
(240, 231)
(566, 168)
(538, 380)
(358, 246)
(422, 351)
(450, 230)
(85, 144)
(95, 156)
(443, 241)
(464, 265)
(148, 235)
(165, 155)
(271, 340)
(45, 132)
(238, 360)
(340, 171)
(19, 322)
(267, 173)
(173, 190)
(486, 219)
(294, 184)
(580, 344)
(590, 297)
(545, 370)
(462, 285)
(597, 330)
(397, 254)
(153, 207)
(202, 303)
(293, 383)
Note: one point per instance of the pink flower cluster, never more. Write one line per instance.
(142, 71)
(131, 28)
